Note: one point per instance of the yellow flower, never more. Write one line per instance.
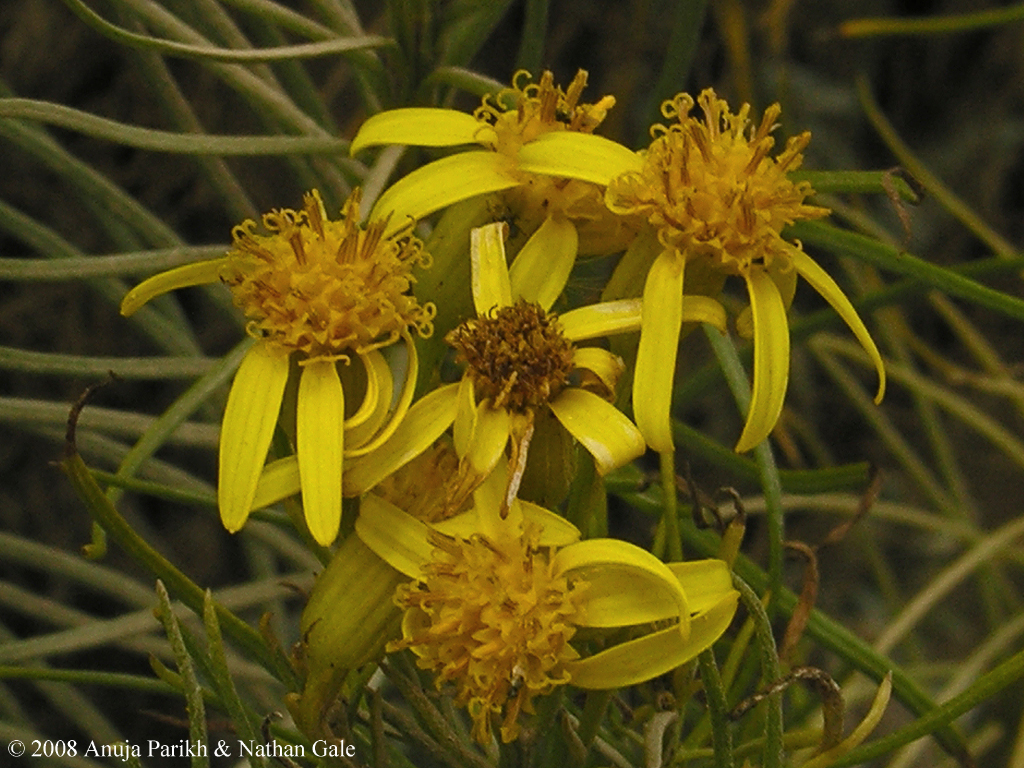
(520, 358)
(718, 202)
(495, 603)
(316, 292)
(503, 125)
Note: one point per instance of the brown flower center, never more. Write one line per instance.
(517, 356)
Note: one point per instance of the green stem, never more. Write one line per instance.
(670, 513)
(714, 691)
(844, 243)
(770, 672)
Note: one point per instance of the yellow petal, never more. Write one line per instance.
(655, 368)
(606, 366)
(616, 597)
(705, 582)
(822, 282)
(397, 537)
(555, 531)
(655, 654)
(249, 420)
(490, 437)
(576, 155)
(621, 565)
(442, 183)
(861, 732)
(279, 480)
(465, 417)
(375, 402)
(425, 421)
(320, 444)
(491, 285)
(771, 359)
(603, 430)
(542, 267)
(610, 594)
(602, 319)
(419, 127)
(703, 309)
(401, 407)
(180, 277)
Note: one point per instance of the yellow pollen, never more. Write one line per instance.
(326, 288)
(494, 618)
(518, 357)
(711, 188)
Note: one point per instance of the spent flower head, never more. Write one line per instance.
(315, 291)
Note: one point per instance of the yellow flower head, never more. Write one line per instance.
(495, 617)
(504, 125)
(323, 287)
(526, 110)
(710, 187)
(319, 291)
(714, 194)
(495, 602)
(718, 200)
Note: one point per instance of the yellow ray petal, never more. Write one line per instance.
(249, 420)
(606, 366)
(378, 374)
(703, 309)
(771, 359)
(705, 582)
(279, 480)
(556, 531)
(490, 436)
(602, 319)
(576, 155)
(491, 286)
(655, 368)
(320, 444)
(401, 407)
(646, 657)
(465, 417)
(398, 538)
(610, 593)
(616, 597)
(419, 127)
(442, 183)
(426, 420)
(822, 282)
(542, 267)
(621, 565)
(180, 277)
(603, 430)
